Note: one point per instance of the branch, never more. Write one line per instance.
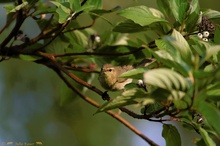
(20, 19)
(81, 69)
(111, 113)
(8, 23)
(53, 64)
(81, 28)
(100, 53)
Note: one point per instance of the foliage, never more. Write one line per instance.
(183, 83)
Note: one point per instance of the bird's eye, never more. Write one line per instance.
(110, 70)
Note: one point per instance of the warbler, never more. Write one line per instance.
(109, 77)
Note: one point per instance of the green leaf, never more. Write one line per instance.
(166, 79)
(128, 26)
(211, 14)
(75, 4)
(211, 113)
(194, 6)
(17, 8)
(179, 9)
(212, 50)
(79, 38)
(200, 142)
(128, 97)
(151, 108)
(9, 8)
(29, 57)
(177, 42)
(183, 11)
(171, 135)
(163, 95)
(160, 95)
(156, 13)
(44, 10)
(217, 34)
(192, 19)
(214, 95)
(141, 15)
(173, 61)
(130, 86)
(92, 5)
(98, 12)
(206, 137)
(63, 11)
(57, 46)
(134, 73)
(164, 6)
(194, 16)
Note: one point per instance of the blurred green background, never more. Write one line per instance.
(30, 109)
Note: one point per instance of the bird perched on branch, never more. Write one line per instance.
(109, 75)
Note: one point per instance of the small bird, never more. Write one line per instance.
(109, 77)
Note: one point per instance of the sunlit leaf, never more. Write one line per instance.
(166, 79)
(177, 42)
(213, 50)
(17, 8)
(211, 113)
(156, 13)
(193, 17)
(206, 137)
(214, 95)
(179, 9)
(128, 26)
(171, 135)
(80, 38)
(172, 59)
(9, 8)
(164, 6)
(63, 11)
(128, 97)
(141, 15)
(134, 73)
(211, 14)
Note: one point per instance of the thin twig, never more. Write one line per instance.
(86, 70)
(71, 75)
(8, 23)
(20, 19)
(100, 53)
(80, 28)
